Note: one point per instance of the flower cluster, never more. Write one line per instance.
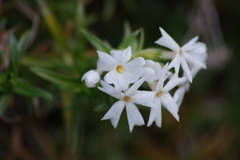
(125, 76)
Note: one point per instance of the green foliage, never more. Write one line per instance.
(64, 81)
(96, 42)
(4, 100)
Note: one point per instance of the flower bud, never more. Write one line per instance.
(91, 78)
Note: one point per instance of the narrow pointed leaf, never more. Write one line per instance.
(64, 81)
(22, 42)
(52, 24)
(129, 41)
(13, 47)
(96, 42)
(2, 23)
(4, 101)
(141, 40)
(38, 61)
(26, 89)
(127, 31)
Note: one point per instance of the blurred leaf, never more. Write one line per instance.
(22, 42)
(26, 89)
(56, 31)
(127, 31)
(3, 78)
(45, 62)
(141, 40)
(2, 23)
(4, 101)
(149, 53)
(14, 56)
(77, 113)
(12, 69)
(13, 47)
(64, 81)
(80, 23)
(96, 42)
(109, 9)
(129, 41)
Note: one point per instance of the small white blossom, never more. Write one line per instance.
(163, 98)
(91, 78)
(156, 68)
(180, 92)
(121, 72)
(128, 99)
(192, 53)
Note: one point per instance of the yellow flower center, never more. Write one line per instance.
(127, 99)
(159, 93)
(119, 69)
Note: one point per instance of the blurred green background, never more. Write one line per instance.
(68, 127)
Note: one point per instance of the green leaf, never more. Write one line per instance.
(76, 119)
(12, 69)
(26, 89)
(4, 101)
(14, 56)
(64, 81)
(80, 23)
(141, 40)
(23, 41)
(96, 42)
(52, 24)
(2, 23)
(127, 31)
(129, 41)
(39, 61)
(13, 47)
(109, 9)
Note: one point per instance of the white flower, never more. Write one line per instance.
(152, 65)
(180, 92)
(91, 78)
(163, 98)
(192, 53)
(121, 72)
(128, 99)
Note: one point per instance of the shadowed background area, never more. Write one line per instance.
(68, 126)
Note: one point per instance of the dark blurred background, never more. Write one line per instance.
(209, 127)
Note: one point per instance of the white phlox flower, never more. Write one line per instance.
(152, 65)
(128, 99)
(192, 53)
(162, 98)
(91, 78)
(184, 86)
(121, 72)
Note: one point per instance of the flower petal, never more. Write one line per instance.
(156, 114)
(122, 57)
(196, 48)
(178, 95)
(91, 78)
(167, 41)
(156, 67)
(110, 90)
(162, 77)
(194, 60)
(173, 82)
(105, 62)
(133, 70)
(169, 103)
(175, 63)
(134, 116)
(132, 90)
(186, 69)
(114, 113)
(189, 44)
(144, 98)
